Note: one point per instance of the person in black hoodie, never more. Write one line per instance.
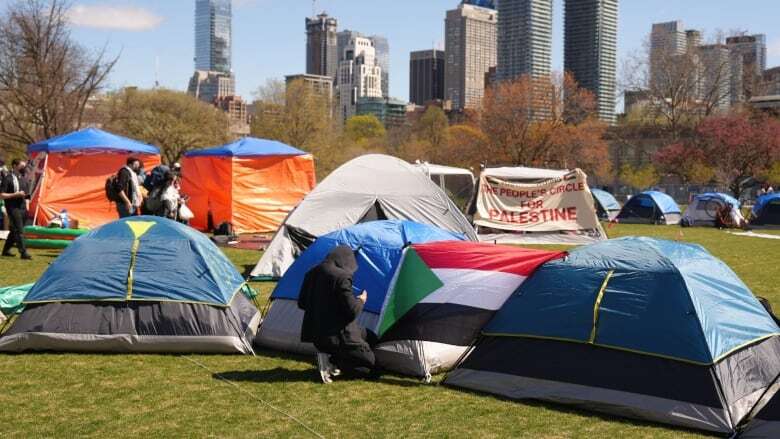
(329, 321)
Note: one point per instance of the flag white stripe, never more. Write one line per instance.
(475, 288)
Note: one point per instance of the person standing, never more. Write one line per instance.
(129, 194)
(15, 191)
(330, 313)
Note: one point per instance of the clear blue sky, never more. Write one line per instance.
(270, 40)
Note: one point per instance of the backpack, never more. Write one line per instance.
(112, 188)
(156, 177)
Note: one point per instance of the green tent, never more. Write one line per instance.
(11, 299)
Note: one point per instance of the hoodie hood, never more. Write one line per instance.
(344, 258)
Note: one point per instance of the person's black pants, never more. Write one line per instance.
(351, 355)
(16, 219)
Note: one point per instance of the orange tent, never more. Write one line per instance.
(252, 184)
(71, 172)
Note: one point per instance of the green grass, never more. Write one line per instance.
(170, 396)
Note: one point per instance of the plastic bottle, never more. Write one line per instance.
(64, 219)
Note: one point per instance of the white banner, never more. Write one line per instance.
(561, 204)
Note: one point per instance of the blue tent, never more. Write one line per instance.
(651, 207)
(766, 212)
(704, 208)
(606, 205)
(91, 138)
(248, 147)
(379, 246)
(141, 283)
(635, 326)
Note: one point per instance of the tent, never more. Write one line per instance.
(252, 184)
(536, 206)
(650, 207)
(441, 296)
(71, 172)
(368, 188)
(766, 212)
(379, 246)
(457, 183)
(607, 207)
(11, 299)
(704, 208)
(636, 327)
(140, 284)
(765, 422)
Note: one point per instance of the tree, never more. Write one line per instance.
(432, 127)
(772, 175)
(639, 178)
(466, 148)
(174, 121)
(46, 78)
(364, 128)
(687, 164)
(542, 122)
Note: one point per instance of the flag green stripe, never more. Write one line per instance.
(415, 282)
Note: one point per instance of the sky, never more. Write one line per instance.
(155, 38)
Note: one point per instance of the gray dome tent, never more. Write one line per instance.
(370, 187)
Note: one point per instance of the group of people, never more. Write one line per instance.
(157, 193)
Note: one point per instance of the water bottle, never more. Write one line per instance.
(64, 220)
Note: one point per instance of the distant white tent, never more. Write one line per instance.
(368, 188)
(457, 183)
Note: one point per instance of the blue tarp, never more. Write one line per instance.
(249, 147)
(663, 201)
(718, 196)
(380, 245)
(763, 201)
(172, 263)
(91, 138)
(662, 298)
(607, 200)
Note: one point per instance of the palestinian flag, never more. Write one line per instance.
(446, 292)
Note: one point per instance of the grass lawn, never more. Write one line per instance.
(164, 396)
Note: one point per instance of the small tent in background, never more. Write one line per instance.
(766, 212)
(378, 248)
(651, 207)
(457, 183)
(704, 208)
(368, 188)
(636, 327)
(607, 207)
(140, 284)
(441, 296)
(71, 172)
(252, 184)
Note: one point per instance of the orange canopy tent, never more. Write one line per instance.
(252, 184)
(71, 172)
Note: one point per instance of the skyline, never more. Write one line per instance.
(145, 31)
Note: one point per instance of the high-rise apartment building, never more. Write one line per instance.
(213, 35)
(715, 81)
(359, 75)
(590, 50)
(426, 76)
(524, 38)
(381, 50)
(470, 47)
(752, 49)
(211, 86)
(322, 57)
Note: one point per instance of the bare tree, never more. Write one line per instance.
(46, 78)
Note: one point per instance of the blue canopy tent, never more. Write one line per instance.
(607, 207)
(91, 139)
(704, 208)
(379, 246)
(248, 147)
(766, 212)
(140, 284)
(638, 327)
(651, 207)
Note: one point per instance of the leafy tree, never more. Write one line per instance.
(432, 128)
(639, 178)
(174, 121)
(364, 128)
(686, 163)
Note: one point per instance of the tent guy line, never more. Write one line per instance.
(255, 397)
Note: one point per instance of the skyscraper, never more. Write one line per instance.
(667, 41)
(359, 75)
(752, 49)
(322, 57)
(716, 71)
(590, 50)
(382, 48)
(213, 35)
(524, 38)
(470, 46)
(426, 76)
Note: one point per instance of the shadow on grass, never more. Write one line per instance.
(562, 408)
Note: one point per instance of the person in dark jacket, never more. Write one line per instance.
(329, 321)
(15, 191)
